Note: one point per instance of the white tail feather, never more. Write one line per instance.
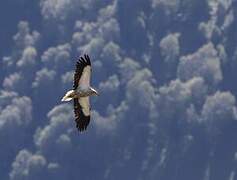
(67, 97)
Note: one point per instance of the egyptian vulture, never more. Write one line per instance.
(81, 92)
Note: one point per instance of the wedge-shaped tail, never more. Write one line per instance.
(68, 96)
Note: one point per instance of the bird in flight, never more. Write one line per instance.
(81, 92)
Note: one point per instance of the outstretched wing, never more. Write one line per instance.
(82, 73)
(82, 112)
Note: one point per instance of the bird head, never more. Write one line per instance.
(94, 92)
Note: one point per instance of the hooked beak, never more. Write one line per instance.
(96, 92)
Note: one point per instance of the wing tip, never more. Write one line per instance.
(83, 123)
(87, 58)
(83, 60)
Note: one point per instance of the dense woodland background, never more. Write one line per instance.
(166, 72)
